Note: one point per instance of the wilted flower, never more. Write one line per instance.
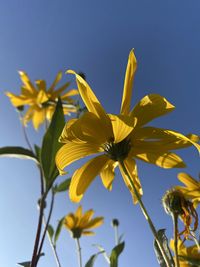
(175, 203)
(79, 224)
(118, 138)
(41, 101)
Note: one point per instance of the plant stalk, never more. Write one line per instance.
(79, 252)
(175, 223)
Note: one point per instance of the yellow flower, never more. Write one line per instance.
(190, 252)
(118, 138)
(79, 224)
(41, 101)
(192, 188)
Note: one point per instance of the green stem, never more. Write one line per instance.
(146, 215)
(79, 252)
(175, 222)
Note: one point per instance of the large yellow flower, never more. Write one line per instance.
(118, 138)
(80, 224)
(41, 101)
(190, 252)
(192, 188)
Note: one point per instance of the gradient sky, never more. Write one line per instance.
(95, 37)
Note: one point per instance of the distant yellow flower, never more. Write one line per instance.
(79, 224)
(190, 252)
(41, 101)
(192, 188)
(118, 138)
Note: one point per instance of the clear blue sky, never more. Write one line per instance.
(44, 37)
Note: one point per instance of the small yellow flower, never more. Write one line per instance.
(80, 224)
(191, 190)
(190, 252)
(41, 101)
(118, 138)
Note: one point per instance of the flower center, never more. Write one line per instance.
(117, 151)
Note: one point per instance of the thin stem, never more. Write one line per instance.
(146, 215)
(175, 222)
(46, 226)
(116, 235)
(79, 252)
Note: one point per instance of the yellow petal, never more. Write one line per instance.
(86, 218)
(71, 92)
(83, 177)
(128, 83)
(151, 107)
(71, 152)
(190, 182)
(41, 84)
(88, 233)
(122, 126)
(42, 97)
(92, 103)
(96, 222)
(78, 212)
(38, 117)
(18, 100)
(88, 128)
(107, 174)
(131, 168)
(25, 79)
(162, 159)
(70, 221)
(57, 79)
(55, 94)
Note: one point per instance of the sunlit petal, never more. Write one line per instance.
(96, 222)
(128, 83)
(38, 117)
(83, 177)
(18, 100)
(107, 174)
(71, 152)
(122, 126)
(151, 107)
(55, 82)
(189, 181)
(26, 81)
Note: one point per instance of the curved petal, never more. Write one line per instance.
(92, 103)
(151, 107)
(107, 174)
(83, 177)
(131, 168)
(128, 83)
(162, 139)
(190, 182)
(88, 128)
(162, 159)
(71, 152)
(122, 126)
(96, 222)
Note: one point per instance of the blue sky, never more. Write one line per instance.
(44, 37)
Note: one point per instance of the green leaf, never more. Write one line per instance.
(38, 152)
(116, 251)
(27, 263)
(17, 152)
(50, 145)
(92, 259)
(64, 186)
(102, 250)
(50, 231)
(58, 229)
(193, 262)
(164, 240)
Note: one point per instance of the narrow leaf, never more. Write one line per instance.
(50, 145)
(58, 230)
(27, 263)
(102, 250)
(116, 251)
(90, 262)
(64, 186)
(17, 152)
(38, 152)
(50, 231)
